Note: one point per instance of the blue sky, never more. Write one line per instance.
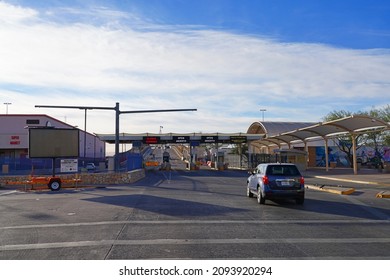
(348, 23)
(299, 60)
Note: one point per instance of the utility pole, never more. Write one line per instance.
(6, 107)
(262, 111)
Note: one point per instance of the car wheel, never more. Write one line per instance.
(300, 200)
(248, 192)
(260, 198)
(55, 185)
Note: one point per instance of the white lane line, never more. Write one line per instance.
(10, 192)
(158, 183)
(155, 242)
(206, 222)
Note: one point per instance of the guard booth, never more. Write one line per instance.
(297, 157)
(220, 158)
(166, 156)
(165, 165)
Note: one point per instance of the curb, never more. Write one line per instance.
(332, 189)
(383, 194)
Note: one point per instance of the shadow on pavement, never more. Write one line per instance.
(166, 206)
(335, 208)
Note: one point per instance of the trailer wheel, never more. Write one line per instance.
(55, 184)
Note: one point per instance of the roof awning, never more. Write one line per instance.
(352, 125)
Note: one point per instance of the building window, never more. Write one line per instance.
(32, 121)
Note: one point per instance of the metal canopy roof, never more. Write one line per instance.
(358, 124)
(274, 128)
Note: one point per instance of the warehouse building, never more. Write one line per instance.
(14, 135)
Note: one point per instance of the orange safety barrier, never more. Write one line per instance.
(152, 163)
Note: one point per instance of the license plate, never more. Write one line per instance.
(285, 183)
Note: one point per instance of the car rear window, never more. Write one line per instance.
(283, 170)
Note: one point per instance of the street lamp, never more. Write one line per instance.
(6, 106)
(262, 111)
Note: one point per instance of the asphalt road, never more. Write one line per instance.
(192, 215)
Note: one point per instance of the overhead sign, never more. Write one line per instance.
(238, 139)
(209, 139)
(180, 139)
(151, 140)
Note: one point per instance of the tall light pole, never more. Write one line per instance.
(6, 107)
(262, 111)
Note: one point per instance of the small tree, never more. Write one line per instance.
(344, 142)
(378, 140)
(375, 139)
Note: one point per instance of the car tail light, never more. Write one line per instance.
(265, 180)
(302, 181)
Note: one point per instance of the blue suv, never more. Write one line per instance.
(276, 180)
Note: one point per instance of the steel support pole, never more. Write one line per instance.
(116, 159)
(354, 157)
(326, 154)
(85, 133)
(306, 155)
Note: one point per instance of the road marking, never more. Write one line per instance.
(357, 221)
(158, 183)
(10, 192)
(155, 242)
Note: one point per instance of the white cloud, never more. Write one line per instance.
(227, 77)
(15, 14)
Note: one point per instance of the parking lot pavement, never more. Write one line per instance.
(335, 176)
(190, 215)
(364, 176)
(343, 181)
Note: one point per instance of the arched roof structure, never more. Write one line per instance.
(351, 125)
(274, 128)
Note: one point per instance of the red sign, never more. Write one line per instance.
(151, 140)
(14, 140)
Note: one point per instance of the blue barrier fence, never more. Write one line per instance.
(24, 166)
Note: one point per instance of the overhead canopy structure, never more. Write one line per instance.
(181, 138)
(271, 129)
(352, 126)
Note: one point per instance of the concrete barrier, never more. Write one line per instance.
(85, 178)
(383, 194)
(332, 189)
